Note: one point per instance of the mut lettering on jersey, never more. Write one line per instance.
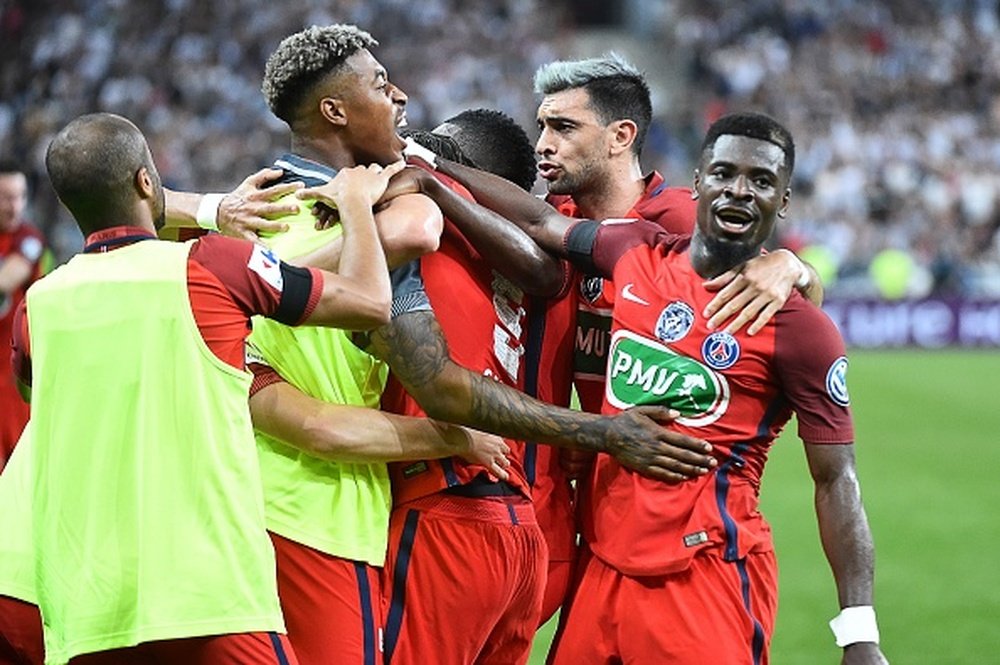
(674, 210)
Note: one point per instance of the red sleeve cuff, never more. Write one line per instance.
(263, 376)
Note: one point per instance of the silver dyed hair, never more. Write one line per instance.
(303, 58)
(568, 74)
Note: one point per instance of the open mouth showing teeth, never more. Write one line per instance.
(733, 219)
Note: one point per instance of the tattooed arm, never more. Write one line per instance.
(415, 348)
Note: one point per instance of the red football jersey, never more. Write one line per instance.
(483, 317)
(27, 242)
(674, 210)
(735, 391)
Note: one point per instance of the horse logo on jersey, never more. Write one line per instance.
(720, 350)
(643, 371)
(591, 288)
(836, 382)
(675, 322)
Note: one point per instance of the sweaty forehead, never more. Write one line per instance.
(746, 151)
(573, 103)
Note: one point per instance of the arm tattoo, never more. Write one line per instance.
(413, 345)
(415, 349)
(502, 409)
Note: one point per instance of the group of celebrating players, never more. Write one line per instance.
(408, 484)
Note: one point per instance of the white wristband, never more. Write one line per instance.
(855, 624)
(804, 276)
(414, 149)
(208, 211)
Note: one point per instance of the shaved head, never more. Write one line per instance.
(94, 163)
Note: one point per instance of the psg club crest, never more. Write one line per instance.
(590, 288)
(675, 322)
(836, 382)
(720, 350)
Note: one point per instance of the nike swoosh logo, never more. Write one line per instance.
(628, 295)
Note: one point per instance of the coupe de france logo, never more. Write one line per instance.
(720, 350)
(836, 382)
(675, 321)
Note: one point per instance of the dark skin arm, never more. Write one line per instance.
(844, 532)
(752, 292)
(416, 351)
(508, 249)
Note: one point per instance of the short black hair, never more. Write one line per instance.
(92, 163)
(302, 60)
(617, 90)
(755, 126)
(494, 142)
(442, 146)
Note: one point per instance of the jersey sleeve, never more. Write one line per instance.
(811, 362)
(408, 294)
(263, 374)
(595, 248)
(28, 243)
(257, 280)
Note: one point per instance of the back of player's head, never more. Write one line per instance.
(617, 90)
(493, 142)
(92, 163)
(440, 145)
(302, 60)
(755, 126)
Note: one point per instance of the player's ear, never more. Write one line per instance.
(333, 110)
(143, 183)
(623, 134)
(783, 209)
(694, 187)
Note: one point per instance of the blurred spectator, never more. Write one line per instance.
(22, 258)
(895, 105)
(188, 73)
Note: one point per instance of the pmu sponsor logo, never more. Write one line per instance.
(643, 371)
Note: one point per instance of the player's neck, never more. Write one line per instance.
(324, 151)
(711, 258)
(614, 195)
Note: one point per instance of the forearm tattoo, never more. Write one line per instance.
(414, 346)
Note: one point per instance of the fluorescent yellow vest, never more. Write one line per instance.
(339, 508)
(148, 514)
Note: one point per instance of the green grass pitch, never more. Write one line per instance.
(928, 451)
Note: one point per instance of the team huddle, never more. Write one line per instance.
(363, 452)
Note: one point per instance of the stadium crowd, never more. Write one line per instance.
(894, 101)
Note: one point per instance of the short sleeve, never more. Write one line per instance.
(811, 362)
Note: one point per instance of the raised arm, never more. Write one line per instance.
(415, 349)
(408, 227)
(846, 538)
(358, 434)
(249, 209)
(538, 219)
(358, 297)
(508, 249)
